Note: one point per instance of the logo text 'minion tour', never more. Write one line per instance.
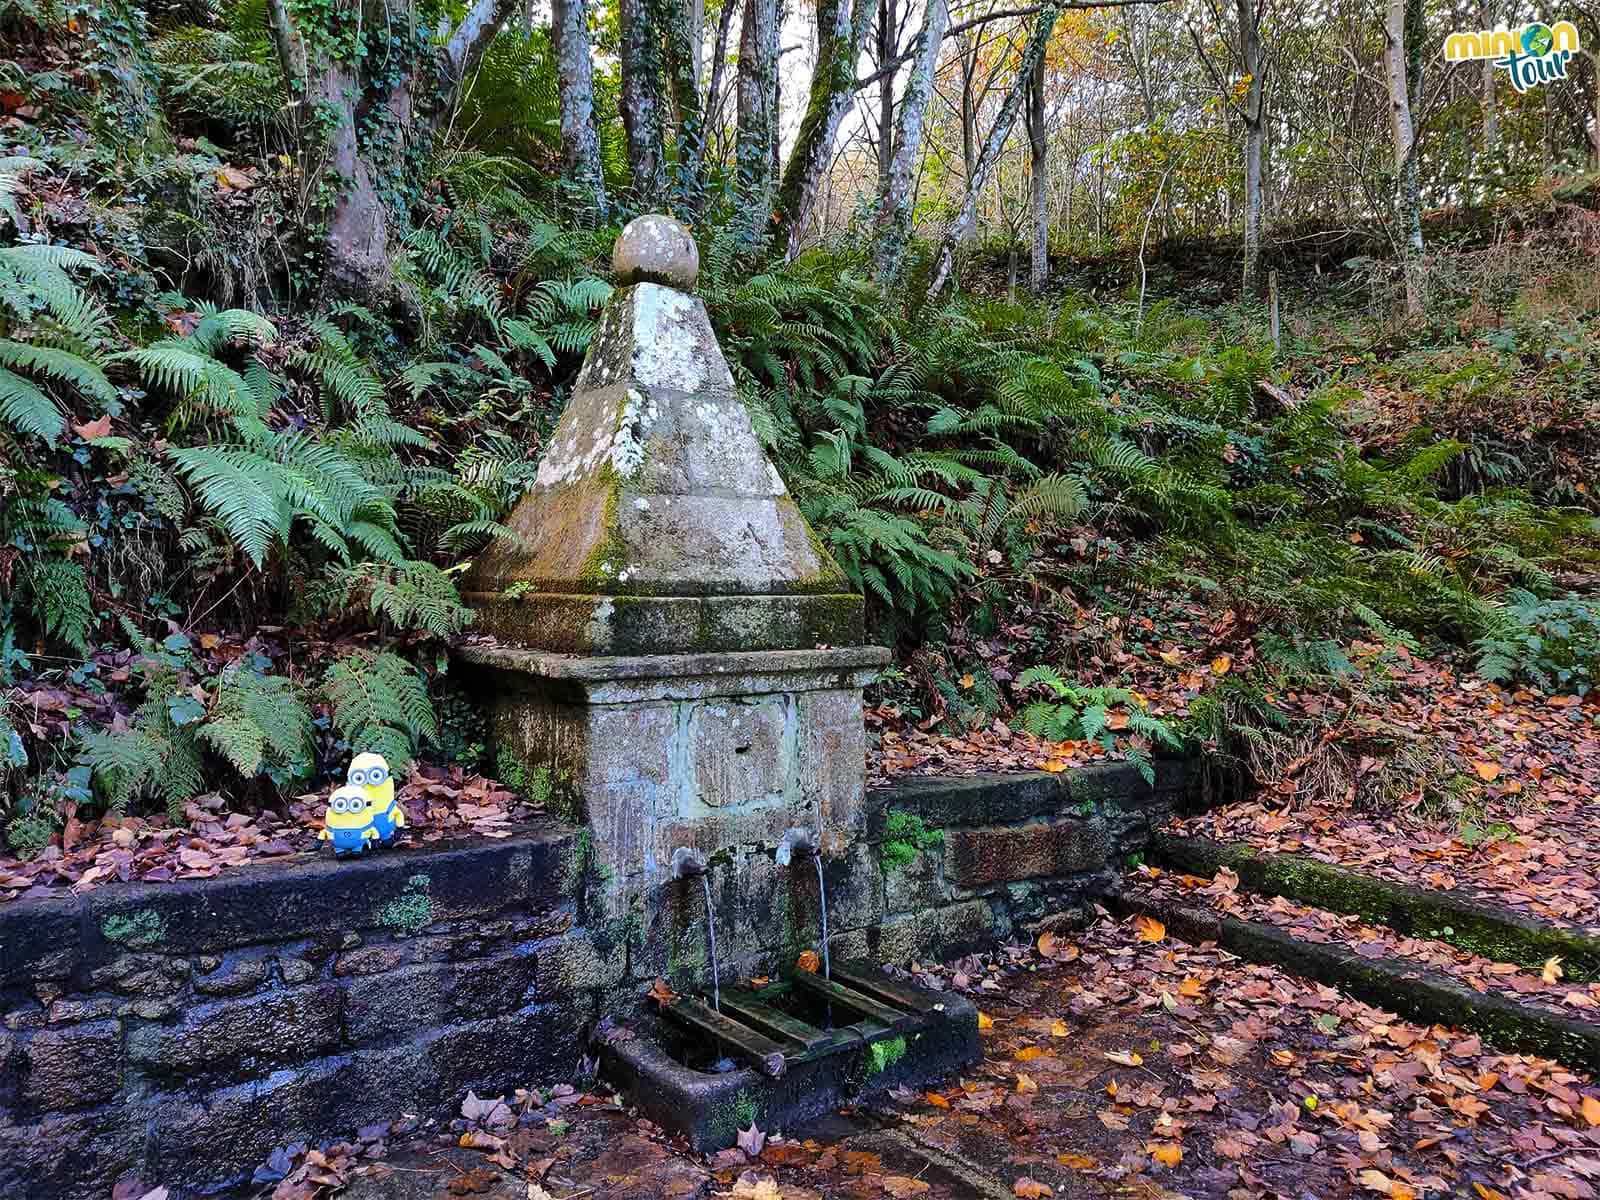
(1534, 54)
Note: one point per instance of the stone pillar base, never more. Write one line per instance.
(718, 752)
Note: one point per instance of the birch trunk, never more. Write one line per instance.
(580, 141)
(1397, 65)
(758, 116)
(642, 94)
(833, 88)
(1249, 17)
(888, 44)
(894, 207)
(1044, 24)
(1039, 266)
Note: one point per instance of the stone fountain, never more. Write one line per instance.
(676, 653)
(672, 641)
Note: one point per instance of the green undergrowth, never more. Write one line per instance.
(234, 514)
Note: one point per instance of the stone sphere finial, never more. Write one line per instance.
(656, 249)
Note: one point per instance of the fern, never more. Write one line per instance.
(380, 704)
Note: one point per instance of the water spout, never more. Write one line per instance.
(798, 840)
(687, 863)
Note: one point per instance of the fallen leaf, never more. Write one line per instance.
(1025, 1084)
(1076, 1162)
(1552, 969)
(750, 1186)
(1590, 1108)
(1148, 929)
(1031, 1189)
(809, 961)
(936, 1100)
(1221, 664)
(1126, 1058)
(1487, 771)
(903, 1185)
(1168, 1154)
(661, 992)
(985, 1022)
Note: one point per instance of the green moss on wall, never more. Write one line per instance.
(886, 1053)
(411, 911)
(136, 930)
(905, 836)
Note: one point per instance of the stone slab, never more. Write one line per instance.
(997, 854)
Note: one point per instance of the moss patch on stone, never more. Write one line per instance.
(1487, 930)
(141, 928)
(886, 1053)
(411, 911)
(739, 1113)
(905, 836)
(609, 556)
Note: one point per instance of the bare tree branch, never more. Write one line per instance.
(1005, 15)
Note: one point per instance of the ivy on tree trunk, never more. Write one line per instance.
(370, 86)
(758, 122)
(833, 88)
(641, 99)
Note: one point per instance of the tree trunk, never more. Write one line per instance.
(1039, 267)
(1594, 96)
(841, 29)
(1249, 17)
(969, 113)
(758, 113)
(1397, 64)
(1043, 25)
(641, 99)
(1491, 111)
(888, 45)
(363, 117)
(894, 206)
(719, 60)
(678, 18)
(580, 140)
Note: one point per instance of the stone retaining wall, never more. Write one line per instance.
(179, 1032)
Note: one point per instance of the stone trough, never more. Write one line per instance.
(866, 1033)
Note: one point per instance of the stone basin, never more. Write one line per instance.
(792, 1063)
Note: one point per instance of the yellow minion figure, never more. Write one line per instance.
(364, 811)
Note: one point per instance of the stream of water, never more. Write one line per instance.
(711, 938)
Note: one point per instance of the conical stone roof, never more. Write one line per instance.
(657, 523)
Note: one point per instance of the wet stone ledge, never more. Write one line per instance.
(179, 1032)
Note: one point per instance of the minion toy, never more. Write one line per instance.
(364, 812)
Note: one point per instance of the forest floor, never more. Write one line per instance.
(1125, 1063)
